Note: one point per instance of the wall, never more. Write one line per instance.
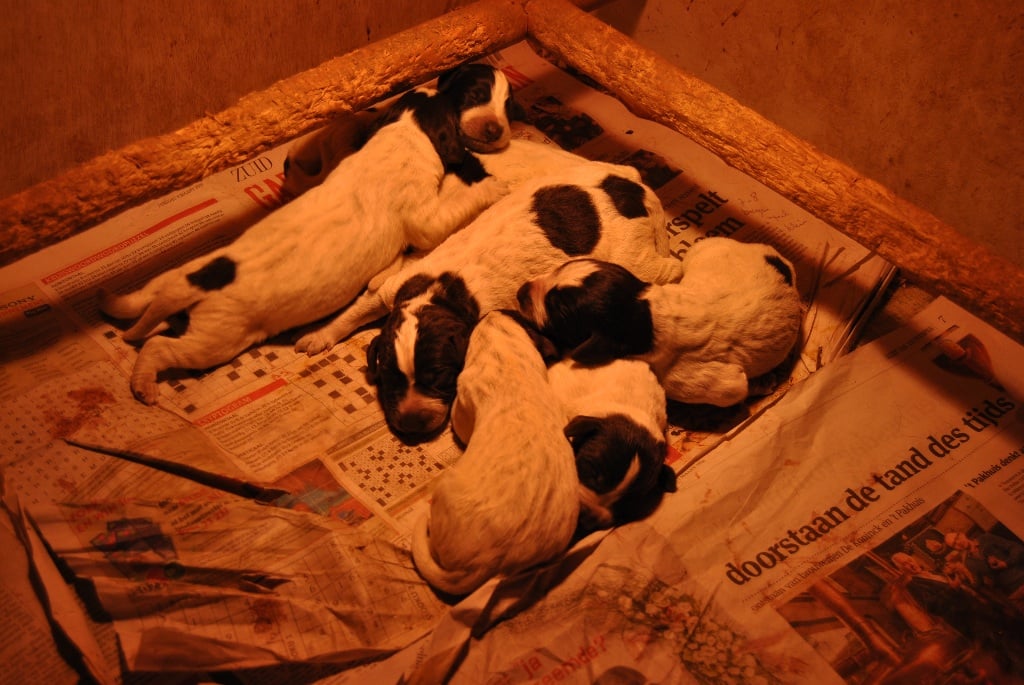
(921, 96)
(81, 78)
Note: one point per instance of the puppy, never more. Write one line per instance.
(616, 426)
(589, 208)
(511, 500)
(522, 161)
(484, 99)
(735, 315)
(316, 253)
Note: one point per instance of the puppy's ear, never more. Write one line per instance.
(445, 78)
(513, 110)
(580, 429)
(547, 348)
(455, 292)
(598, 349)
(372, 359)
(438, 119)
(448, 144)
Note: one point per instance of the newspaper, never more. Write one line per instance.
(257, 518)
(799, 550)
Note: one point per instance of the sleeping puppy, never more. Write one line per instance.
(483, 97)
(521, 161)
(616, 425)
(316, 253)
(511, 500)
(735, 315)
(588, 208)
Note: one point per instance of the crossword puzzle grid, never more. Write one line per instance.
(337, 380)
(201, 388)
(388, 470)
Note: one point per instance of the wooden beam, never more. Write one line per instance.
(96, 190)
(929, 252)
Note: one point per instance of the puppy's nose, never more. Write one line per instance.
(417, 423)
(493, 131)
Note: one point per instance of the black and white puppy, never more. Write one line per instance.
(616, 425)
(521, 161)
(735, 315)
(315, 254)
(588, 208)
(511, 500)
(481, 94)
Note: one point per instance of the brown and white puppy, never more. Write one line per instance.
(616, 425)
(316, 253)
(511, 500)
(588, 208)
(735, 315)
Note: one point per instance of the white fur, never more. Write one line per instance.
(306, 259)
(511, 501)
(503, 247)
(730, 319)
(623, 386)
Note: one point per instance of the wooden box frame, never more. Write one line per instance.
(930, 253)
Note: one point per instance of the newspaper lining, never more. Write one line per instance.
(259, 516)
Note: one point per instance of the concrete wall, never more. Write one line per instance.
(80, 78)
(921, 95)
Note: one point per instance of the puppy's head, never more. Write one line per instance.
(484, 105)
(621, 467)
(416, 360)
(593, 310)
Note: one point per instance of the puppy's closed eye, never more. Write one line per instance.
(373, 359)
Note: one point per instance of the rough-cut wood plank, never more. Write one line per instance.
(929, 252)
(93, 191)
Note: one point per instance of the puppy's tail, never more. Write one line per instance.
(165, 295)
(452, 582)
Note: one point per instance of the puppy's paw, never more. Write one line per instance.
(491, 189)
(145, 390)
(314, 343)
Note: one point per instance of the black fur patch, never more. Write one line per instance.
(781, 267)
(603, 319)
(440, 351)
(454, 294)
(470, 171)
(627, 196)
(468, 85)
(438, 119)
(604, 448)
(214, 275)
(568, 218)
(408, 101)
(444, 326)
(412, 287)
